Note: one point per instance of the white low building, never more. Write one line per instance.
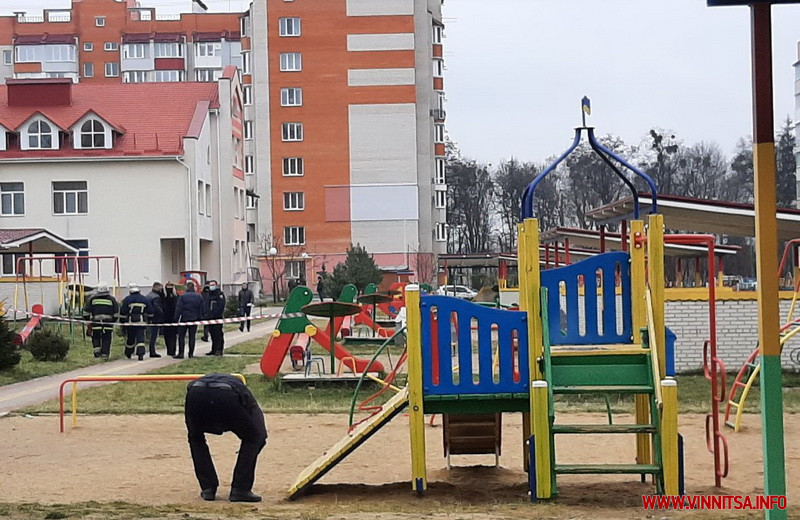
(150, 173)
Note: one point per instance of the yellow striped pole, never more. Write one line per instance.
(541, 432)
(639, 319)
(416, 420)
(655, 276)
(669, 436)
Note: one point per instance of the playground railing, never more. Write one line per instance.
(601, 308)
(114, 379)
(450, 371)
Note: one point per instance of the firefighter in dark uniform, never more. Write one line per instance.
(215, 310)
(136, 308)
(218, 403)
(102, 309)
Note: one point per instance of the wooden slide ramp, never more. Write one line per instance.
(348, 444)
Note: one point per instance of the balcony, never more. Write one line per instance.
(438, 113)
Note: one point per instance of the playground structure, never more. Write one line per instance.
(69, 274)
(608, 338)
(751, 369)
(295, 329)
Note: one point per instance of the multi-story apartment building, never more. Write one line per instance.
(348, 111)
(149, 173)
(343, 122)
(108, 41)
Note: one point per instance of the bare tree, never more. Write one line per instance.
(470, 193)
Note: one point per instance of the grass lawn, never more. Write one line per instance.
(167, 397)
(80, 355)
(253, 347)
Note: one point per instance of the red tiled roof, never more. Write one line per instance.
(153, 117)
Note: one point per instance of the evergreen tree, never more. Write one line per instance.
(359, 269)
(9, 353)
(785, 165)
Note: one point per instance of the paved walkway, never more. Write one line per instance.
(35, 391)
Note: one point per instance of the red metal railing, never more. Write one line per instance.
(713, 367)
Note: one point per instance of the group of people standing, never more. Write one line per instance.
(158, 308)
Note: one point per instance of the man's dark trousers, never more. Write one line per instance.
(101, 340)
(217, 338)
(216, 409)
(192, 330)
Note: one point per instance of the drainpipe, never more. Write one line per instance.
(191, 212)
(220, 254)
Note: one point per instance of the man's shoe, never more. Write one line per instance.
(155, 354)
(141, 357)
(209, 494)
(210, 353)
(179, 356)
(237, 495)
(128, 352)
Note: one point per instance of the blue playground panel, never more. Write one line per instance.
(510, 325)
(614, 268)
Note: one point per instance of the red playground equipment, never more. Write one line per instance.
(295, 330)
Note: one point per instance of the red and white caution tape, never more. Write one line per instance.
(145, 324)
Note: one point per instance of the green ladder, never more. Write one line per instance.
(601, 370)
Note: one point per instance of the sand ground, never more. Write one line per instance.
(145, 459)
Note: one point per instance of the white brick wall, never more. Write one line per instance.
(737, 332)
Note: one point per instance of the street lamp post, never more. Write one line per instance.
(271, 254)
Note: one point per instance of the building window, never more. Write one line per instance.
(207, 49)
(440, 199)
(110, 46)
(438, 33)
(438, 68)
(9, 264)
(70, 198)
(134, 76)
(26, 53)
(8, 57)
(252, 201)
(291, 97)
(289, 26)
(440, 178)
(248, 129)
(292, 131)
(292, 166)
(236, 202)
(60, 53)
(207, 75)
(88, 47)
(201, 198)
(135, 50)
(112, 70)
(88, 70)
(247, 93)
(291, 61)
(167, 76)
(245, 63)
(295, 269)
(243, 26)
(93, 134)
(248, 165)
(12, 196)
(438, 133)
(40, 136)
(294, 235)
(169, 50)
(441, 232)
(100, 21)
(294, 201)
(208, 199)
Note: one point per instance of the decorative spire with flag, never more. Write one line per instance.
(586, 106)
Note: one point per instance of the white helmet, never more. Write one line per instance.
(133, 287)
(102, 288)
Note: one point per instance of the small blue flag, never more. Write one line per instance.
(586, 105)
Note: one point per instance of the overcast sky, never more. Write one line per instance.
(517, 69)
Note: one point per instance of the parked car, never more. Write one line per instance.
(459, 291)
